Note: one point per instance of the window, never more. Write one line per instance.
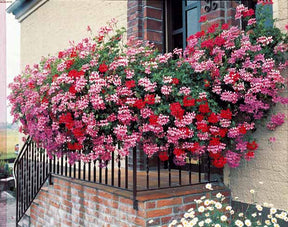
(181, 21)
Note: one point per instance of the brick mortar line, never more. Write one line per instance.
(153, 18)
(152, 7)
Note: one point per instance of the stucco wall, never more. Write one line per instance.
(49, 29)
(270, 165)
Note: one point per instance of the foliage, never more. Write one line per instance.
(101, 95)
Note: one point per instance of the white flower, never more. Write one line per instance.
(203, 197)
(191, 210)
(208, 220)
(265, 204)
(151, 221)
(240, 214)
(209, 186)
(201, 223)
(228, 208)
(207, 215)
(218, 205)
(207, 202)
(254, 215)
(274, 220)
(252, 191)
(232, 212)
(248, 222)
(267, 222)
(258, 222)
(269, 216)
(198, 201)
(273, 210)
(210, 208)
(217, 225)
(201, 209)
(239, 223)
(195, 220)
(259, 208)
(219, 195)
(223, 218)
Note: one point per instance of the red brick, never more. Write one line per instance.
(90, 190)
(152, 24)
(67, 203)
(166, 220)
(153, 13)
(155, 3)
(153, 36)
(54, 204)
(158, 213)
(126, 201)
(169, 202)
(150, 205)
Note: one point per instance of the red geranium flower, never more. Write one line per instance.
(214, 141)
(223, 132)
(252, 146)
(69, 63)
(199, 117)
(242, 129)
(176, 110)
(249, 155)
(213, 118)
(206, 83)
(130, 83)
(163, 156)
(204, 108)
(149, 99)
(202, 19)
(72, 89)
(103, 68)
(75, 74)
(202, 127)
(139, 104)
(178, 151)
(219, 162)
(78, 132)
(195, 147)
(175, 81)
(74, 146)
(225, 26)
(215, 155)
(153, 120)
(199, 34)
(188, 101)
(61, 54)
(227, 114)
(54, 77)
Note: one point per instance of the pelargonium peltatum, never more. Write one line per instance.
(101, 95)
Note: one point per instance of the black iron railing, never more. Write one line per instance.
(33, 168)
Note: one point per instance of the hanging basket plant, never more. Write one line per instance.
(102, 95)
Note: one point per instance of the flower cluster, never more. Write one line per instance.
(100, 95)
(216, 212)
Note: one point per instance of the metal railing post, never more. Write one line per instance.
(135, 202)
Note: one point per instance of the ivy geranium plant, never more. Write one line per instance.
(103, 95)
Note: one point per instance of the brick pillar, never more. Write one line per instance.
(218, 12)
(145, 21)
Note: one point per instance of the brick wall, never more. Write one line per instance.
(145, 21)
(73, 203)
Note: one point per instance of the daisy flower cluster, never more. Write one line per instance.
(217, 212)
(101, 95)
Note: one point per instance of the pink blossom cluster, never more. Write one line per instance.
(92, 100)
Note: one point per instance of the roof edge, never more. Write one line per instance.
(19, 8)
